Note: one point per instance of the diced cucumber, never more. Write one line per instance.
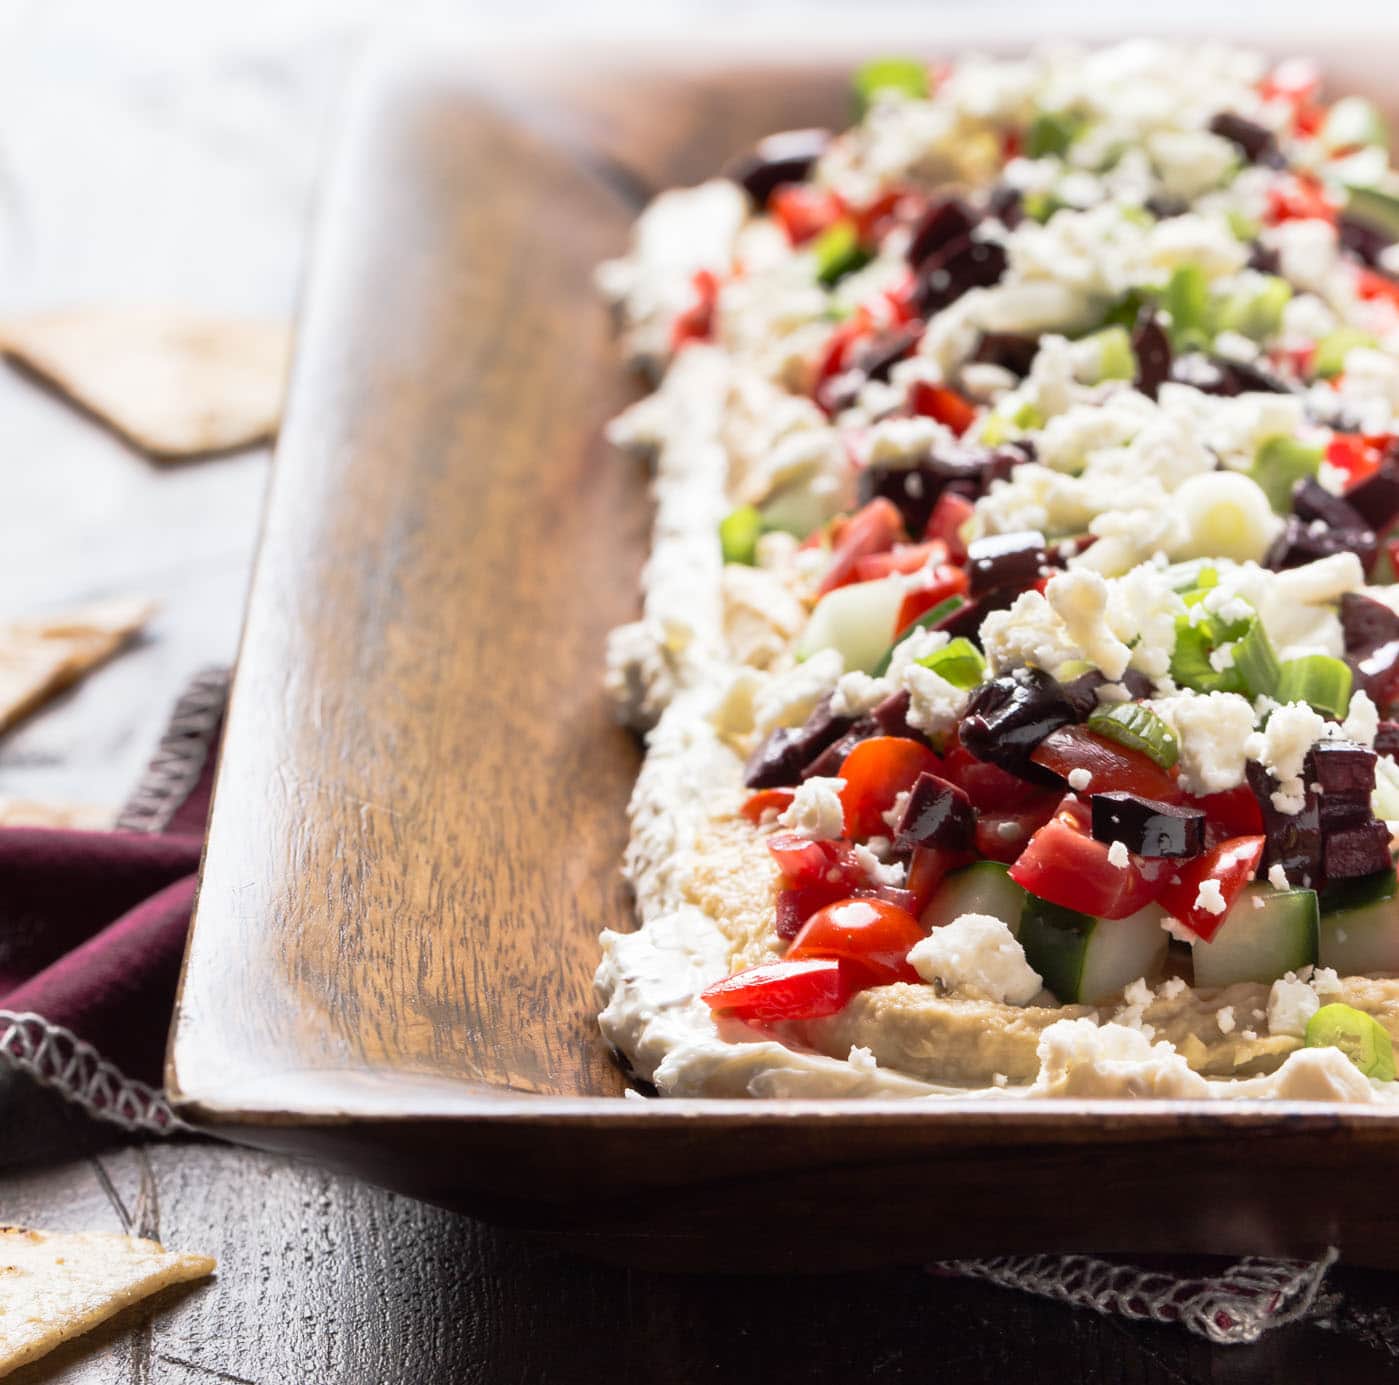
(1084, 959)
(984, 887)
(1282, 462)
(1334, 347)
(857, 620)
(1266, 933)
(1377, 207)
(1116, 360)
(1256, 309)
(796, 509)
(1360, 927)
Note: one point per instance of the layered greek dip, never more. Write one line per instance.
(1019, 645)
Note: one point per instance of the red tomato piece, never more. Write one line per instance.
(903, 557)
(876, 772)
(943, 404)
(1003, 836)
(900, 300)
(873, 528)
(839, 345)
(950, 513)
(1113, 767)
(1070, 869)
(777, 800)
(990, 788)
(1299, 197)
(946, 581)
(804, 211)
(1357, 454)
(871, 935)
(1370, 285)
(801, 990)
(697, 321)
(1231, 865)
(804, 862)
(1234, 813)
(1293, 80)
(874, 219)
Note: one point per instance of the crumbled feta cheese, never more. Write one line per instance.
(977, 955)
(1080, 1058)
(1080, 779)
(733, 713)
(1210, 898)
(893, 874)
(1177, 930)
(862, 1060)
(999, 1079)
(1277, 877)
(1029, 632)
(1325, 982)
(857, 693)
(1137, 993)
(1224, 1018)
(787, 699)
(1362, 720)
(1291, 1003)
(1173, 987)
(1211, 730)
(1281, 748)
(904, 441)
(816, 811)
(1118, 855)
(1080, 600)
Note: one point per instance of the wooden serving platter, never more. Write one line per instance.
(419, 811)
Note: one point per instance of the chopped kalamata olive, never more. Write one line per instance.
(829, 761)
(938, 814)
(1387, 738)
(1009, 716)
(1264, 258)
(1006, 205)
(941, 224)
(1009, 350)
(1367, 624)
(1082, 693)
(1352, 851)
(1293, 840)
(1255, 142)
(965, 468)
(913, 489)
(1213, 375)
(1367, 243)
(779, 759)
(875, 358)
(1341, 767)
(1376, 499)
(1163, 208)
(892, 716)
(1005, 562)
(1146, 827)
(949, 273)
(1152, 349)
(781, 158)
(1305, 541)
(1311, 500)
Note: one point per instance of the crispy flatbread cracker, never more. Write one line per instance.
(41, 657)
(172, 383)
(25, 812)
(55, 1286)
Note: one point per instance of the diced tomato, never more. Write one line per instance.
(804, 862)
(1231, 865)
(900, 299)
(903, 557)
(950, 513)
(943, 404)
(767, 800)
(874, 937)
(1003, 836)
(1070, 869)
(1299, 197)
(990, 788)
(1293, 79)
(1113, 767)
(876, 772)
(1075, 812)
(1357, 454)
(926, 869)
(839, 345)
(946, 581)
(873, 528)
(1233, 813)
(1011, 143)
(801, 990)
(804, 211)
(1370, 285)
(875, 218)
(697, 321)
(1296, 359)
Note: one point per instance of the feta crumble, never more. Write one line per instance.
(816, 811)
(977, 955)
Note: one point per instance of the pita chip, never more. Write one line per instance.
(55, 1286)
(39, 658)
(174, 384)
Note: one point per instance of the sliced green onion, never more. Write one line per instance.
(1039, 205)
(1255, 662)
(1361, 1037)
(1190, 659)
(739, 532)
(1116, 360)
(1052, 133)
(1280, 464)
(906, 76)
(1073, 668)
(838, 252)
(1187, 299)
(1138, 728)
(1318, 680)
(997, 429)
(1256, 311)
(1126, 310)
(1244, 227)
(958, 662)
(1334, 347)
(1028, 416)
(1354, 121)
(927, 621)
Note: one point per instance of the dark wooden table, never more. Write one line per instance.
(198, 190)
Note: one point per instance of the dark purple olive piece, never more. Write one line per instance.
(1311, 500)
(1305, 541)
(1006, 205)
(941, 224)
(1352, 851)
(1255, 142)
(913, 489)
(1163, 208)
(781, 158)
(1376, 499)
(1367, 243)
(1009, 350)
(1387, 738)
(875, 358)
(1264, 258)
(1366, 623)
(1005, 562)
(1082, 693)
(1341, 767)
(1291, 840)
(949, 273)
(829, 761)
(1152, 349)
(892, 716)
(779, 759)
(1146, 827)
(1009, 716)
(1213, 375)
(938, 814)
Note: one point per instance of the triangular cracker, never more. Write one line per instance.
(40, 657)
(172, 383)
(55, 1286)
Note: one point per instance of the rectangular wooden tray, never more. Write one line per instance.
(419, 811)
